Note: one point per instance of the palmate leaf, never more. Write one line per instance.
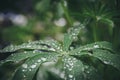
(107, 58)
(29, 68)
(76, 70)
(101, 50)
(97, 45)
(49, 45)
(30, 60)
(71, 36)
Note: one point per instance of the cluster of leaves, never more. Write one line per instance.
(51, 60)
(101, 18)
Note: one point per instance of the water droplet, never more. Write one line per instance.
(24, 76)
(23, 70)
(29, 69)
(96, 46)
(39, 60)
(52, 49)
(24, 65)
(70, 76)
(71, 63)
(28, 46)
(87, 72)
(43, 59)
(106, 62)
(25, 51)
(33, 66)
(62, 74)
(70, 69)
(34, 51)
(71, 48)
(64, 67)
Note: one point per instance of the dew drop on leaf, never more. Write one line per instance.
(33, 66)
(24, 65)
(96, 46)
(52, 49)
(39, 60)
(24, 76)
(70, 76)
(23, 70)
(29, 69)
(43, 59)
(28, 46)
(25, 51)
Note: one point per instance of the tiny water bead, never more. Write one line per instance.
(30, 69)
(43, 59)
(52, 49)
(39, 60)
(96, 46)
(23, 70)
(33, 66)
(25, 66)
(28, 46)
(70, 76)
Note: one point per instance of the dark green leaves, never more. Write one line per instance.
(107, 58)
(71, 36)
(48, 59)
(29, 68)
(48, 45)
(97, 45)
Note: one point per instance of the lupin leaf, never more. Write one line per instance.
(29, 68)
(67, 42)
(49, 45)
(76, 70)
(30, 56)
(97, 45)
(107, 58)
(71, 36)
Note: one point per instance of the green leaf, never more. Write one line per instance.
(76, 70)
(71, 36)
(74, 31)
(28, 70)
(107, 58)
(67, 42)
(50, 71)
(97, 45)
(7, 69)
(49, 45)
(73, 68)
(16, 57)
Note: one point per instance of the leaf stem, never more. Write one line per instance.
(95, 36)
(66, 13)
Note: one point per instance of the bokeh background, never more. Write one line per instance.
(29, 20)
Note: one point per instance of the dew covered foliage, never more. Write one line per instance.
(52, 60)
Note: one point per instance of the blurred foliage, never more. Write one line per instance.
(101, 18)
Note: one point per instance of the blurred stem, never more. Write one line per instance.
(66, 13)
(95, 36)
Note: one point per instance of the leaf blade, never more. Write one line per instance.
(97, 45)
(30, 67)
(49, 45)
(107, 58)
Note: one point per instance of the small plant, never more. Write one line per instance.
(52, 60)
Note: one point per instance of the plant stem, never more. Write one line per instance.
(66, 13)
(95, 32)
